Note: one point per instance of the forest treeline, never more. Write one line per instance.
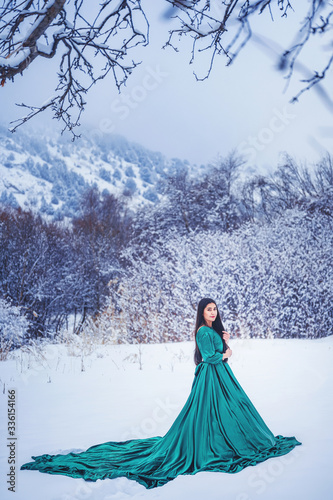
(262, 247)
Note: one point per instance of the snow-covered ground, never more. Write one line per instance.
(69, 400)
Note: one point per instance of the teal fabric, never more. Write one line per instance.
(218, 429)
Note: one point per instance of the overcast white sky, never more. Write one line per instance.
(164, 108)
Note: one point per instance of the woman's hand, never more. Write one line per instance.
(227, 353)
(226, 336)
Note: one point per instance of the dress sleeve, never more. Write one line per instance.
(208, 352)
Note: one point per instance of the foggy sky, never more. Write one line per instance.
(163, 107)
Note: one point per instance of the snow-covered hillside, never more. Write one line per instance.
(48, 173)
(68, 399)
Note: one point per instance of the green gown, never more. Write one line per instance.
(218, 429)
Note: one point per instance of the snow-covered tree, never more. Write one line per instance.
(271, 279)
(13, 327)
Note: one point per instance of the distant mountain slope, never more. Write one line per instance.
(49, 173)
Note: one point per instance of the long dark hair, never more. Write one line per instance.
(216, 325)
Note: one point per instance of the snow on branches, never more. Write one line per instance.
(13, 327)
(272, 279)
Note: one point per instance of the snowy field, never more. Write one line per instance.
(68, 400)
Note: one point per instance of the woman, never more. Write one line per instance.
(218, 428)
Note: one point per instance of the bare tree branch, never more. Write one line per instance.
(92, 46)
(209, 23)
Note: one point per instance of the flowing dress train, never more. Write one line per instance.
(218, 429)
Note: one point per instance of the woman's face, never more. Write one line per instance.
(210, 313)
